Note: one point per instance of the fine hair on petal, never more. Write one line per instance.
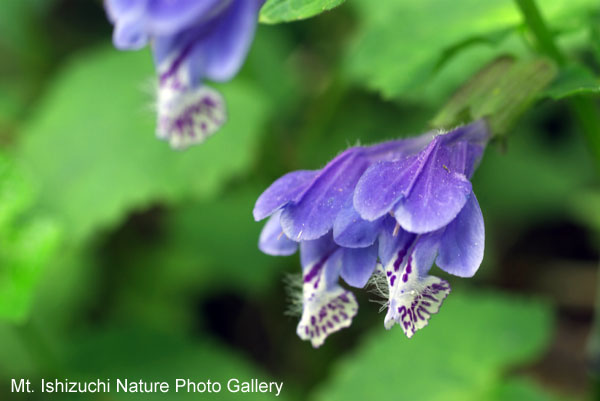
(293, 289)
(149, 87)
(378, 286)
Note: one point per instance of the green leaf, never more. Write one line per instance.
(12, 103)
(491, 39)
(559, 170)
(21, 33)
(275, 11)
(398, 44)
(585, 207)
(522, 390)
(16, 193)
(92, 144)
(28, 241)
(25, 254)
(137, 354)
(572, 80)
(500, 92)
(16, 357)
(264, 67)
(461, 355)
(204, 247)
(594, 37)
(218, 242)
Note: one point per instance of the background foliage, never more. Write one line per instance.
(122, 258)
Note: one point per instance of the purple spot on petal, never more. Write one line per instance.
(316, 269)
(425, 295)
(399, 258)
(176, 63)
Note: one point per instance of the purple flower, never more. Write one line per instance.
(192, 40)
(383, 213)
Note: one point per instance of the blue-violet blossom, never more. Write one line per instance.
(385, 214)
(192, 40)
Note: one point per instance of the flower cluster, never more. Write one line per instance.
(192, 40)
(384, 213)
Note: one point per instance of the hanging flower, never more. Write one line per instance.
(385, 212)
(191, 41)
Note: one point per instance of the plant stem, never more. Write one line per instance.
(584, 108)
(593, 347)
(535, 22)
(36, 343)
(587, 114)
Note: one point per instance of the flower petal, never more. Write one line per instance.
(129, 35)
(188, 116)
(399, 148)
(119, 9)
(382, 185)
(472, 138)
(476, 133)
(286, 189)
(219, 55)
(386, 181)
(434, 193)
(167, 17)
(393, 242)
(326, 312)
(327, 307)
(425, 190)
(316, 252)
(313, 215)
(351, 231)
(462, 244)
(358, 265)
(413, 305)
(414, 295)
(272, 241)
(214, 49)
(128, 16)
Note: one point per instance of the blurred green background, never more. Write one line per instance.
(121, 258)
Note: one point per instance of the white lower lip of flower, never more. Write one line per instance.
(412, 303)
(325, 314)
(412, 298)
(325, 310)
(189, 116)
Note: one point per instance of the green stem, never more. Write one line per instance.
(535, 22)
(37, 344)
(587, 113)
(585, 109)
(594, 347)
